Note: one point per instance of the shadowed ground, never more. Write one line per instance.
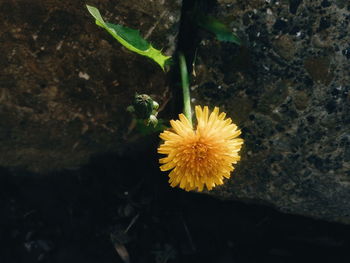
(70, 217)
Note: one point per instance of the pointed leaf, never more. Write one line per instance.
(130, 38)
(222, 32)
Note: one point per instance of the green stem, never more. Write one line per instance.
(185, 87)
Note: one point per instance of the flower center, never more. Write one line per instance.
(199, 151)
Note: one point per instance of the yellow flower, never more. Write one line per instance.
(203, 156)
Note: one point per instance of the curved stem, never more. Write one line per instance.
(185, 87)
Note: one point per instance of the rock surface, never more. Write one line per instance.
(65, 83)
(288, 90)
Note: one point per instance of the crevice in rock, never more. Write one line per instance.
(188, 40)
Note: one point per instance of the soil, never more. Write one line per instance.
(121, 209)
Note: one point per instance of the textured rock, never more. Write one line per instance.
(65, 83)
(288, 89)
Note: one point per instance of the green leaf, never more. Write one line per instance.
(144, 129)
(130, 38)
(222, 32)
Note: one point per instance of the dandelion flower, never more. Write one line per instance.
(203, 156)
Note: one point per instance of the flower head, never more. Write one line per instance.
(203, 156)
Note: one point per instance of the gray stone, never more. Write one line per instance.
(288, 90)
(65, 83)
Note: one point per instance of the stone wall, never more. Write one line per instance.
(288, 90)
(65, 83)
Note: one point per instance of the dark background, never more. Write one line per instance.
(81, 215)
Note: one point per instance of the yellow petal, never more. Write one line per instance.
(201, 156)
